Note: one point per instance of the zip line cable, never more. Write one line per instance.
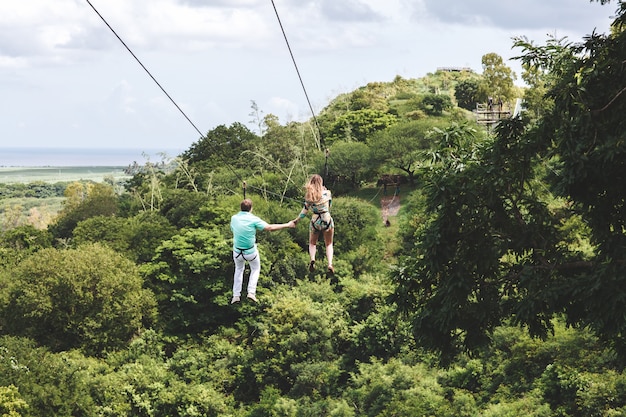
(145, 69)
(168, 96)
(244, 184)
(319, 131)
(163, 90)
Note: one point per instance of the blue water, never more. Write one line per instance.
(81, 157)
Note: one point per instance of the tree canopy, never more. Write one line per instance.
(491, 283)
(89, 298)
(500, 215)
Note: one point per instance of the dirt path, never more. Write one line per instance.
(390, 206)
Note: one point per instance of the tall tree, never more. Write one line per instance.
(468, 93)
(403, 146)
(82, 203)
(223, 145)
(89, 298)
(190, 275)
(495, 246)
(481, 243)
(350, 160)
(359, 124)
(435, 104)
(497, 77)
(587, 129)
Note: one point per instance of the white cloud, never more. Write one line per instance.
(12, 62)
(65, 76)
(174, 25)
(571, 15)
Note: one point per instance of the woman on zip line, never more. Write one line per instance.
(318, 199)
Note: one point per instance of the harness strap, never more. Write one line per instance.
(243, 255)
(325, 224)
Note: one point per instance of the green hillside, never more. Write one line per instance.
(479, 268)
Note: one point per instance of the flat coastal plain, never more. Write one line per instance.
(54, 174)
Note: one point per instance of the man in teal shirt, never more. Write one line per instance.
(244, 226)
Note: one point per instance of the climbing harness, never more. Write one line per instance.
(321, 223)
(240, 252)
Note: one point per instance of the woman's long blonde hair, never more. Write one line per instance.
(314, 188)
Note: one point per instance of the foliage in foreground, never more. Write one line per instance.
(528, 225)
(121, 307)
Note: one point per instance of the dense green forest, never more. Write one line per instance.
(496, 288)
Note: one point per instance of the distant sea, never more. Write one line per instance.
(81, 157)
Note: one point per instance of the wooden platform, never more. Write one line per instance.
(486, 115)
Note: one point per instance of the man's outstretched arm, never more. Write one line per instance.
(278, 226)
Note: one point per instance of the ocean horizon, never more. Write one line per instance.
(81, 157)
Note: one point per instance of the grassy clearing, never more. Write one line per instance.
(374, 195)
(52, 204)
(29, 210)
(40, 211)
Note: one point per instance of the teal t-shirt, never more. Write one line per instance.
(244, 226)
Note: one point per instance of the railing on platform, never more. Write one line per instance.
(491, 114)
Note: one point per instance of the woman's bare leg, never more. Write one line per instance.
(328, 240)
(312, 244)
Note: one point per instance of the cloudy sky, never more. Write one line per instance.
(67, 81)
